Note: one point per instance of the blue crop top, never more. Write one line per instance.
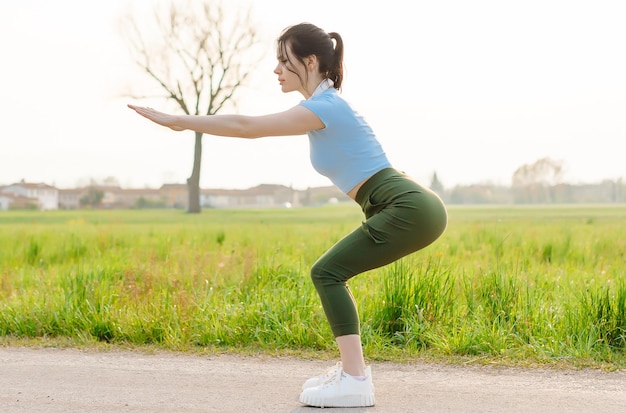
(346, 151)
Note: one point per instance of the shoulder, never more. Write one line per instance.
(328, 100)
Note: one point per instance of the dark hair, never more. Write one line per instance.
(306, 39)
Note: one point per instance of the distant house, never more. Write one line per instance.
(10, 201)
(175, 195)
(323, 195)
(134, 198)
(114, 197)
(110, 195)
(45, 196)
(70, 198)
(5, 202)
(262, 196)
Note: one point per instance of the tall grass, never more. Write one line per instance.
(515, 285)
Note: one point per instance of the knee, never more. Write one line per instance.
(318, 275)
(321, 276)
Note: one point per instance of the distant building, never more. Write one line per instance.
(46, 197)
(175, 195)
(137, 198)
(10, 201)
(110, 196)
(5, 201)
(261, 196)
(25, 195)
(70, 198)
(323, 195)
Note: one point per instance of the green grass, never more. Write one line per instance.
(509, 285)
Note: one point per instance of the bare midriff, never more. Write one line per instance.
(352, 193)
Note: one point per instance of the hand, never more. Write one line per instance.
(157, 117)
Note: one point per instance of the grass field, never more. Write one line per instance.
(511, 285)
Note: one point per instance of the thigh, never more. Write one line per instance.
(358, 252)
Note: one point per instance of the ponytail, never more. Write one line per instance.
(335, 70)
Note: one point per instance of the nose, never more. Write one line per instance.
(278, 69)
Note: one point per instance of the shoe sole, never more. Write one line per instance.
(357, 400)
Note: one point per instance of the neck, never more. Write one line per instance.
(311, 86)
(317, 87)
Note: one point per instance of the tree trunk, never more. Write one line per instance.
(193, 182)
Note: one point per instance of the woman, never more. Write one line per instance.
(401, 216)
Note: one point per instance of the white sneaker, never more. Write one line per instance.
(341, 390)
(316, 381)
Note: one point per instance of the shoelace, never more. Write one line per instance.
(330, 372)
(333, 369)
(335, 378)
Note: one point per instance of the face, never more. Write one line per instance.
(287, 65)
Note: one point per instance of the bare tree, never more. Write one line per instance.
(535, 182)
(198, 57)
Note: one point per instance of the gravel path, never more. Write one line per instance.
(68, 380)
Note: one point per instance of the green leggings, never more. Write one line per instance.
(401, 217)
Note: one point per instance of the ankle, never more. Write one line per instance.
(358, 378)
(355, 372)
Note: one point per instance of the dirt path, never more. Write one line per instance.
(55, 381)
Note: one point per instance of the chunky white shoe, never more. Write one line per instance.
(316, 381)
(340, 390)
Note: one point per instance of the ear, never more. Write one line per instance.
(311, 63)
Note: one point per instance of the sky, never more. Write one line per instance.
(469, 90)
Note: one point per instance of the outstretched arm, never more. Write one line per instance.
(295, 121)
